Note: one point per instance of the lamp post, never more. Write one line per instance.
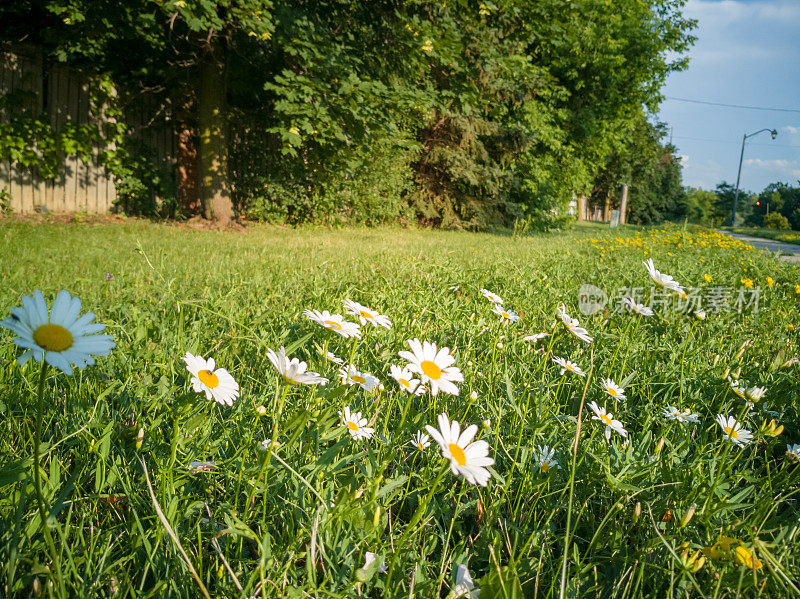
(774, 133)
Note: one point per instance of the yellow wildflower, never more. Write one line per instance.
(770, 282)
(747, 558)
(707, 278)
(747, 283)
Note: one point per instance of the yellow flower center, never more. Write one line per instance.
(457, 453)
(352, 425)
(366, 314)
(420, 445)
(404, 382)
(53, 337)
(209, 379)
(333, 325)
(506, 315)
(606, 420)
(611, 391)
(358, 379)
(545, 468)
(731, 433)
(431, 370)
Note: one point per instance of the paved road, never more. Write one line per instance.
(788, 251)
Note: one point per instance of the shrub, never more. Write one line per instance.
(776, 220)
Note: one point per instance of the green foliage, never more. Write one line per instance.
(776, 220)
(699, 206)
(495, 110)
(651, 171)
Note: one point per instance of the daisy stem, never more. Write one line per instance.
(422, 508)
(572, 482)
(628, 350)
(37, 481)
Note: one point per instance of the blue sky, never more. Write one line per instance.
(747, 53)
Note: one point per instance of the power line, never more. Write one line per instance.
(732, 105)
(734, 142)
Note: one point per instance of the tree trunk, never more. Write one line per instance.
(212, 117)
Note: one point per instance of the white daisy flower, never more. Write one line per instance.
(294, 371)
(61, 338)
(369, 557)
(465, 586)
(700, 314)
(734, 431)
(566, 318)
(367, 315)
(568, 365)
(405, 378)
(738, 389)
(420, 440)
(793, 451)
(633, 306)
(607, 418)
(266, 444)
(365, 380)
(543, 458)
(755, 393)
(334, 322)
(536, 338)
(492, 297)
(506, 315)
(662, 279)
(613, 389)
(331, 357)
(674, 413)
(356, 425)
(572, 325)
(217, 384)
(434, 366)
(467, 459)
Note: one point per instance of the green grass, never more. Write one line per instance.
(301, 524)
(776, 234)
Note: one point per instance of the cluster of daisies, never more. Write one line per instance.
(62, 338)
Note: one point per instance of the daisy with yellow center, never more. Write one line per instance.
(613, 389)
(608, 420)
(543, 459)
(662, 279)
(365, 380)
(793, 451)
(356, 425)
(367, 315)
(738, 389)
(405, 378)
(733, 430)
(334, 322)
(674, 413)
(421, 441)
(572, 325)
(467, 458)
(434, 365)
(217, 384)
(507, 315)
(62, 338)
(492, 297)
(755, 393)
(633, 306)
(294, 371)
(568, 365)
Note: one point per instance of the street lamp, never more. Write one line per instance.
(774, 134)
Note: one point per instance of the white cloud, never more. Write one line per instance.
(791, 130)
(781, 166)
(684, 160)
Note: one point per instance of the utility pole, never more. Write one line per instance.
(774, 133)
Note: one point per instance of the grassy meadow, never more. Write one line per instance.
(673, 509)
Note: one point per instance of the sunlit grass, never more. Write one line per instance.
(297, 516)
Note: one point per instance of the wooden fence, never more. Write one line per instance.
(63, 94)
